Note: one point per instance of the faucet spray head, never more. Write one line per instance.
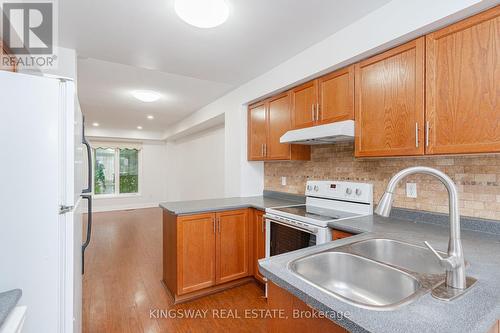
(385, 205)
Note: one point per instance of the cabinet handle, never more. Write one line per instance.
(218, 223)
(213, 222)
(265, 149)
(317, 112)
(262, 150)
(427, 130)
(416, 135)
(263, 223)
(312, 112)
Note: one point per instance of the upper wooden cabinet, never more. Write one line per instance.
(304, 103)
(389, 102)
(279, 124)
(257, 131)
(463, 86)
(267, 122)
(325, 100)
(336, 96)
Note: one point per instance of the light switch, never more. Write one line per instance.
(283, 181)
(411, 190)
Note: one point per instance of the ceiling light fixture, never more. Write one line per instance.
(139, 127)
(95, 124)
(147, 96)
(151, 117)
(202, 13)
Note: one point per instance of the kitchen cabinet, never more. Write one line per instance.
(325, 100)
(389, 102)
(281, 299)
(304, 103)
(463, 86)
(336, 96)
(267, 122)
(339, 234)
(196, 260)
(232, 245)
(205, 253)
(257, 131)
(259, 242)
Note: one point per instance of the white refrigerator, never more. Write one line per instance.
(42, 182)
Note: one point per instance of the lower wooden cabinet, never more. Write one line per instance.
(259, 242)
(295, 314)
(232, 250)
(204, 252)
(339, 234)
(197, 252)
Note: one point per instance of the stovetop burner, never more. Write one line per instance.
(315, 213)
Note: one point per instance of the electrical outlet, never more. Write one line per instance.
(283, 181)
(411, 190)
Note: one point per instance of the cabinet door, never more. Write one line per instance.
(389, 104)
(257, 131)
(260, 241)
(463, 86)
(336, 96)
(232, 245)
(304, 100)
(339, 234)
(279, 124)
(196, 252)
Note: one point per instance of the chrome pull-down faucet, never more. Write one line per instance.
(454, 263)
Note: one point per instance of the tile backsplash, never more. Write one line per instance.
(477, 178)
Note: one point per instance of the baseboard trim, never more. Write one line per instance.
(124, 207)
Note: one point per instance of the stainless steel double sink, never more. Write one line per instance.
(378, 273)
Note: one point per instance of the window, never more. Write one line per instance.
(116, 171)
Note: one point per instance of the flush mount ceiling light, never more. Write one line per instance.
(95, 124)
(139, 127)
(202, 13)
(147, 96)
(151, 117)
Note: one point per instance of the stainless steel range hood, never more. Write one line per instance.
(321, 134)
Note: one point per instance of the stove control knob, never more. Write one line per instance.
(348, 191)
(358, 192)
(316, 188)
(309, 187)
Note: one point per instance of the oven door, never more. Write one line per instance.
(282, 237)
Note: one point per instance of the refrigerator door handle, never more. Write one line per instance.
(89, 159)
(89, 228)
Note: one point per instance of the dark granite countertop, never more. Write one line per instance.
(269, 199)
(474, 312)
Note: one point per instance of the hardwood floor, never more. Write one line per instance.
(122, 291)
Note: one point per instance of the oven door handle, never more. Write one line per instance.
(301, 228)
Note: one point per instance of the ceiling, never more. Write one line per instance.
(129, 45)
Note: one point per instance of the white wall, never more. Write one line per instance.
(392, 24)
(152, 182)
(195, 165)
